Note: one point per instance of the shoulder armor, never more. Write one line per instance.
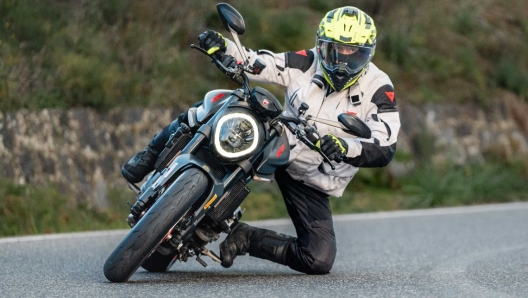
(385, 99)
(301, 60)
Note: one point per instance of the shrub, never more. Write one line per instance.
(511, 75)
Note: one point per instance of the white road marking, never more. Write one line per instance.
(412, 213)
(61, 236)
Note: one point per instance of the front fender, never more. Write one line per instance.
(180, 164)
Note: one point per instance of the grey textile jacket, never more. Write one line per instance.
(372, 98)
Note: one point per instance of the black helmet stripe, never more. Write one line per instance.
(350, 11)
(367, 21)
(330, 16)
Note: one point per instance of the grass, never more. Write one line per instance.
(376, 190)
(511, 77)
(40, 210)
(464, 185)
(30, 210)
(105, 54)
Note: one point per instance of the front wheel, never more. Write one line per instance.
(150, 231)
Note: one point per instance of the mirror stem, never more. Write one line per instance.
(239, 46)
(327, 122)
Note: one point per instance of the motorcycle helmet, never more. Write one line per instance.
(346, 42)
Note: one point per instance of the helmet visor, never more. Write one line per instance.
(347, 57)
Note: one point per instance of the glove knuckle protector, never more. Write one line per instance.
(334, 147)
(212, 41)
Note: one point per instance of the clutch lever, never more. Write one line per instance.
(193, 46)
(215, 59)
(312, 146)
(326, 159)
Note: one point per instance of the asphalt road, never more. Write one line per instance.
(477, 251)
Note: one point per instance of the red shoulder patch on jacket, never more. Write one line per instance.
(385, 99)
(302, 53)
(390, 95)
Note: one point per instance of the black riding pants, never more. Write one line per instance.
(314, 249)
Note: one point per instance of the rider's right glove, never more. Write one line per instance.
(212, 42)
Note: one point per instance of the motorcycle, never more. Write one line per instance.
(201, 176)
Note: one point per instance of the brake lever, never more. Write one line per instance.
(302, 136)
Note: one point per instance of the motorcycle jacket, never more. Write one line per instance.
(372, 99)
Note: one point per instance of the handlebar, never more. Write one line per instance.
(306, 133)
(236, 74)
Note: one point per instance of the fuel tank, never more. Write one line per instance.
(212, 102)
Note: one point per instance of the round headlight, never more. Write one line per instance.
(236, 135)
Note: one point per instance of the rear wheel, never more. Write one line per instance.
(150, 231)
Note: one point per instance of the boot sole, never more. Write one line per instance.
(129, 177)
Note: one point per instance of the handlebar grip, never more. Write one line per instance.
(312, 137)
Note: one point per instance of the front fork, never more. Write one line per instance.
(195, 245)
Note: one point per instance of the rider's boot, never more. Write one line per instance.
(143, 162)
(260, 243)
(140, 164)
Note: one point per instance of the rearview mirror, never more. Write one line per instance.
(354, 126)
(231, 18)
(234, 23)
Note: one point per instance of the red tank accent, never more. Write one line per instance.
(280, 151)
(216, 98)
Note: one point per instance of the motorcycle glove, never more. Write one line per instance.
(228, 61)
(333, 147)
(212, 42)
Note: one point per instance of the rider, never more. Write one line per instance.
(337, 76)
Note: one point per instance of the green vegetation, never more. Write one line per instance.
(109, 53)
(376, 190)
(35, 210)
(30, 210)
(121, 53)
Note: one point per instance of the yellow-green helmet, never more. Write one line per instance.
(346, 42)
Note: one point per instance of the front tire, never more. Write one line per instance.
(150, 231)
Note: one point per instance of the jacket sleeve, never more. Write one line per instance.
(384, 121)
(280, 68)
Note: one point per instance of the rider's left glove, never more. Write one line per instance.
(212, 42)
(333, 147)
(228, 61)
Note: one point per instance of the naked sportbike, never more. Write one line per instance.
(201, 177)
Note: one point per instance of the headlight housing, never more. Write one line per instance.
(236, 135)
